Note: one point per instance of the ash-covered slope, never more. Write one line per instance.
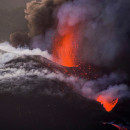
(25, 73)
(36, 94)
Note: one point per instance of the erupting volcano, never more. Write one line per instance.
(65, 52)
(66, 66)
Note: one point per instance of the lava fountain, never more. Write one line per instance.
(108, 104)
(65, 47)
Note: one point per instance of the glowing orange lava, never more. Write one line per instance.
(65, 48)
(120, 128)
(107, 104)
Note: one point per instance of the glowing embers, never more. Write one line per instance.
(65, 48)
(108, 103)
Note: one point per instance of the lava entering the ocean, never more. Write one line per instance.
(107, 104)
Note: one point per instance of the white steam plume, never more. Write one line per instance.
(12, 52)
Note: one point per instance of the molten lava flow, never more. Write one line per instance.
(65, 48)
(120, 128)
(107, 104)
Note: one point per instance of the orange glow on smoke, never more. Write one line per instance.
(65, 48)
(108, 105)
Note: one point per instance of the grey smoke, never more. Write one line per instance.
(106, 24)
(110, 86)
(44, 42)
(103, 28)
(40, 19)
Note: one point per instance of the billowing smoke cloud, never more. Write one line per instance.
(19, 39)
(103, 27)
(107, 90)
(102, 32)
(112, 86)
(105, 30)
(40, 18)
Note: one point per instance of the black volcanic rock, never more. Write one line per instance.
(87, 71)
(33, 97)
